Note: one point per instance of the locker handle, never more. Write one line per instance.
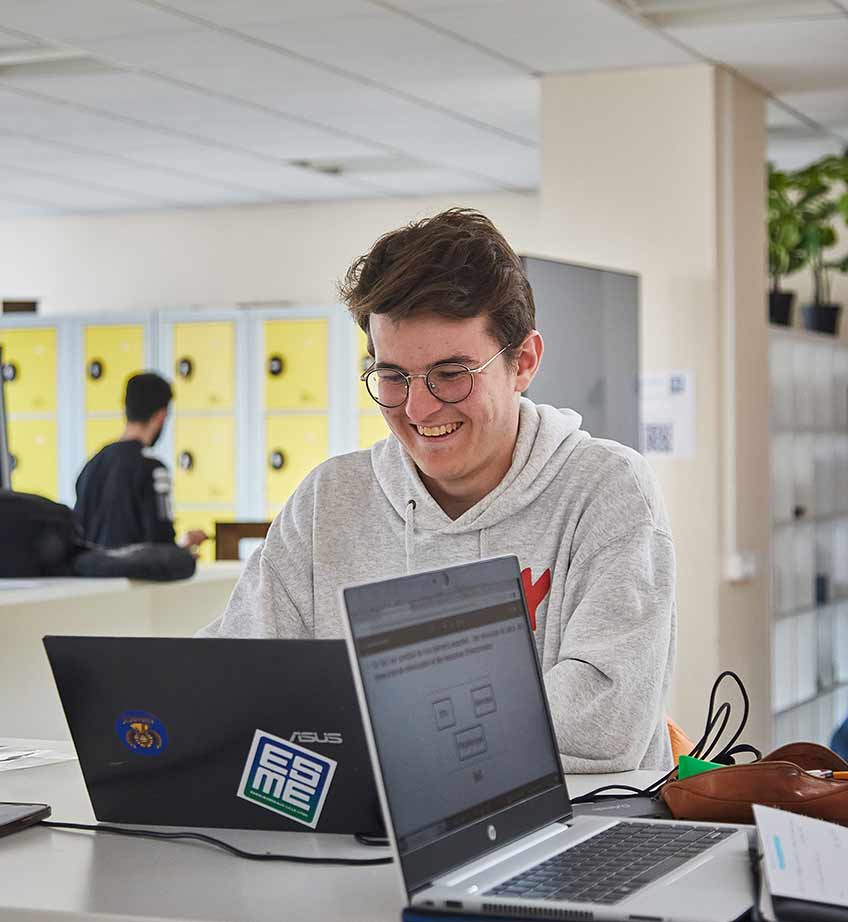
(13, 461)
(277, 459)
(186, 461)
(10, 371)
(95, 369)
(276, 365)
(185, 367)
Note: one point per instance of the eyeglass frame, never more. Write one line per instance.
(426, 375)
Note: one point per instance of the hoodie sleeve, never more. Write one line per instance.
(607, 687)
(274, 595)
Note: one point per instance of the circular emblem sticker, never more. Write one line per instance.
(142, 733)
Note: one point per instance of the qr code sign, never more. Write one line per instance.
(658, 438)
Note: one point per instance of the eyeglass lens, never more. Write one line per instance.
(448, 382)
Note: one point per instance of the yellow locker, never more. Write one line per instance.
(204, 467)
(30, 360)
(293, 446)
(204, 366)
(188, 519)
(100, 431)
(112, 355)
(363, 361)
(33, 447)
(295, 357)
(371, 430)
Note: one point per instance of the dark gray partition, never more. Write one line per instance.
(589, 320)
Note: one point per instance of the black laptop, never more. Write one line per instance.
(233, 734)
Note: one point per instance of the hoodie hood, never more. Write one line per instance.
(546, 438)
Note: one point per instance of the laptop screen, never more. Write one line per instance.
(455, 698)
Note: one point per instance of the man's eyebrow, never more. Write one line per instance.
(459, 359)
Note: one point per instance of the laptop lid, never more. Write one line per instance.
(452, 693)
(239, 734)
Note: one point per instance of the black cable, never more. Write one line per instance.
(209, 840)
(699, 751)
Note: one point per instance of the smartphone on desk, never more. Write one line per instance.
(14, 817)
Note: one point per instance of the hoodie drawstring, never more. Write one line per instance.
(483, 544)
(409, 535)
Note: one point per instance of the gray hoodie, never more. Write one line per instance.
(584, 517)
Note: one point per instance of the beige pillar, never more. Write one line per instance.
(662, 172)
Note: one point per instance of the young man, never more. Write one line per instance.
(124, 495)
(472, 469)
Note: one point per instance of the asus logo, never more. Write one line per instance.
(310, 736)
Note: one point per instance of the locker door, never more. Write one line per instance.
(112, 355)
(363, 361)
(187, 519)
(371, 429)
(204, 366)
(29, 359)
(100, 431)
(205, 460)
(33, 447)
(295, 357)
(293, 446)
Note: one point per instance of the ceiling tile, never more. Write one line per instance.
(827, 107)
(551, 36)
(74, 22)
(784, 57)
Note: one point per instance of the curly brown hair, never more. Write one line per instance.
(455, 264)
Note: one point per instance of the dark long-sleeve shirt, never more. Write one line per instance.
(124, 497)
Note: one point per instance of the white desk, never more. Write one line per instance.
(29, 704)
(45, 871)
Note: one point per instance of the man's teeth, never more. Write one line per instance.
(438, 430)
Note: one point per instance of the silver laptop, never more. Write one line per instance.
(470, 780)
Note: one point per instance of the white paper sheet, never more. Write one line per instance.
(13, 758)
(803, 858)
(667, 408)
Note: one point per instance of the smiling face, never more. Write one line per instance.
(463, 450)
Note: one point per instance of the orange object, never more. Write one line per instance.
(681, 745)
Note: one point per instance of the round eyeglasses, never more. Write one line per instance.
(450, 382)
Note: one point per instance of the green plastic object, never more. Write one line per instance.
(687, 766)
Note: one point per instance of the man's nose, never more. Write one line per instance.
(420, 402)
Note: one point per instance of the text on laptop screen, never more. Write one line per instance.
(457, 712)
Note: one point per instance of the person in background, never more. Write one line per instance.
(123, 493)
(473, 469)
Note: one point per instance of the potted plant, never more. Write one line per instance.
(818, 204)
(785, 254)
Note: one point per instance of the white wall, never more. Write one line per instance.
(217, 257)
(631, 178)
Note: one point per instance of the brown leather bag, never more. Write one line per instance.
(780, 779)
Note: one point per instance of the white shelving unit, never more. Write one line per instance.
(809, 488)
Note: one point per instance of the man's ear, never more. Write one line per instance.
(527, 360)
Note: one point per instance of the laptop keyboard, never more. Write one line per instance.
(613, 864)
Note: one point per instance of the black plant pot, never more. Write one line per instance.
(823, 318)
(780, 307)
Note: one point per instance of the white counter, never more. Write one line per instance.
(29, 705)
(45, 871)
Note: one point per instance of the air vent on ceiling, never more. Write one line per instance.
(354, 165)
(680, 13)
(44, 61)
